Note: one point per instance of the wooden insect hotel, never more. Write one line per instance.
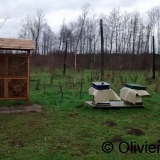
(15, 69)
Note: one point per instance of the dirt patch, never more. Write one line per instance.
(20, 109)
(135, 131)
(35, 124)
(116, 139)
(17, 142)
(109, 123)
(74, 115)
(61, 147)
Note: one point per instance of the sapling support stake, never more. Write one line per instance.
(61, 91)
(81, 86)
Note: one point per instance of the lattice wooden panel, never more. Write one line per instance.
(17, 88)
(14, 76)
(2, 64)
(17, 66)
(1, 88)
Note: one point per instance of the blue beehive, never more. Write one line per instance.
(135, 86)
(101, 85)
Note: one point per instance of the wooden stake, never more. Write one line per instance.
(102, 50)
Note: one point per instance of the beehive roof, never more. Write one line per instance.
(16, 44)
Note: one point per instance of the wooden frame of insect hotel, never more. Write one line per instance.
(15, 68)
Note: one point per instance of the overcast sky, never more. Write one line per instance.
(58, 10)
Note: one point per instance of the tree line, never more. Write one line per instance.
(124, 32)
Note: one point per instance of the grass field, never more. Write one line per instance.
(67, 129)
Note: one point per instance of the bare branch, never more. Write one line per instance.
(1, 23)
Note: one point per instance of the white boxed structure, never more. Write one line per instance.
(102, 93)
(133, 93)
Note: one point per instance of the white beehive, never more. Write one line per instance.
(102, 93)
(133, 93)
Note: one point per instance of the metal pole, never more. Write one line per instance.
(102, 50)
(153, 67)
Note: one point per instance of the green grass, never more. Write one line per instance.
(71, 130)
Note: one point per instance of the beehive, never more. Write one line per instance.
(133, 93)
(102, 93)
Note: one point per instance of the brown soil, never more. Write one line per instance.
(134, 131)
(35, 124)
(109, 123)
(20, 109)
(17, 142)
(74, 115)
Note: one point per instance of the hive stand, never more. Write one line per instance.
(15, 69)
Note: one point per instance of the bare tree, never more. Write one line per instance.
(114, 24)
(135, 30)
(66, 35)
(158, 16)
(47, 39)
(33, 26)
(82, 20)
(150, 27)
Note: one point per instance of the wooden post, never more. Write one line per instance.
(28, 78)
(153, 67)
(65, 57)
(5, 79)
(102, 50)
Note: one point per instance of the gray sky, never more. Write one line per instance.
(58, 10)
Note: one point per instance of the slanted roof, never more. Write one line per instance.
(16, 44)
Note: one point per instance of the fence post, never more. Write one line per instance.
(153, 63)
(102, 50)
